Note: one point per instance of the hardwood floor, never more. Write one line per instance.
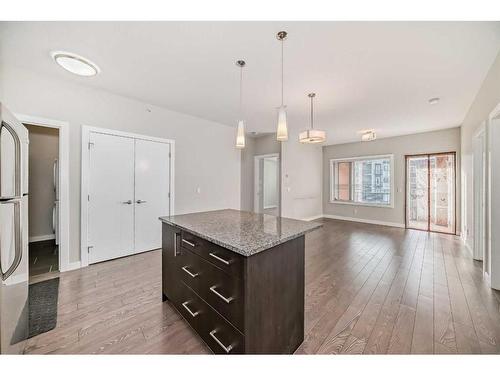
(369, 289)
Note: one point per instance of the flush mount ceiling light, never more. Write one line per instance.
(240, 133)
(312, 135)
(368, 135)
(75, 64)
(433, 101)
(282, 131)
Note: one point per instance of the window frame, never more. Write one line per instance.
(361, 158)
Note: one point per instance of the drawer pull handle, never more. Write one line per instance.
(193, 314)
(227, 349)
(193, 275)
(227, 300)
(213, 255)
(188, 242)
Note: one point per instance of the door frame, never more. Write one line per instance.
(85, 173)
(492, 240)
(479, 195)
(63, 127)
(256, 170)
(428, 154)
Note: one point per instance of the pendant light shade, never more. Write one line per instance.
(282, 129)
(240, 135)
(312, 135)
(240, 132)
(282, 132)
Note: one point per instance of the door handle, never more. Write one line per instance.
(18, 250)
(127, 202)
(139, 201)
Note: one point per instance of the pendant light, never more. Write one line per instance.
(312, 135)
(240, 133)
(282, 131)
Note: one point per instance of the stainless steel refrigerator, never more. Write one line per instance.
(13, 233)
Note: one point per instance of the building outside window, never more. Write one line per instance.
(363, 180)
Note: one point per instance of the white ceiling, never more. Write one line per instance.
(367, 75)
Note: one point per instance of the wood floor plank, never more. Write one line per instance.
(368, 289)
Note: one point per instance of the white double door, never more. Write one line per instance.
(129, 188)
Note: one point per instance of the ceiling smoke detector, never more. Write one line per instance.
(75, 64)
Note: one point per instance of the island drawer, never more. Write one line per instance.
(223, 292)
(217, 333)
(225, 259)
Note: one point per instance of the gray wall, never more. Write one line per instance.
(265, 144)
(43, 150)
(437, 141)
(203, 149)
(486, 100)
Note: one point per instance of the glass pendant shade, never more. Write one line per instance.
(282, 132)
(312, 136)
(240, 135)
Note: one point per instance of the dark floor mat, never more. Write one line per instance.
(43, 306)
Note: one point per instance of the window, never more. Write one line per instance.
(364, 180)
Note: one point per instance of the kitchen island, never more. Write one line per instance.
(237, 278)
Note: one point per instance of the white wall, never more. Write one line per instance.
(302, 164)
(43, 151)
(437, 141)
(486, 100)
(205, 153)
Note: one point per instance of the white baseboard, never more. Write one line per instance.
(45, 237)
(313, 218)
(366, 221)
(71, 266)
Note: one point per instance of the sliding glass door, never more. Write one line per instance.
(430, 192)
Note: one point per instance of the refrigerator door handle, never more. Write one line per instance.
(18, 251)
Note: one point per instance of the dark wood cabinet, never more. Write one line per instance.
(170, 251)
(237, 304)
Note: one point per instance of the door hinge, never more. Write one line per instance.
(169, 154)
(91, 144)
(169, 194)
(88, 198)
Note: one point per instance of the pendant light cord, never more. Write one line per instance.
(282, 42)
(241, 92)
(312, 119)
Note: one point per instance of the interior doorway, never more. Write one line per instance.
(267, 179)
(431, 192)
(43, 187)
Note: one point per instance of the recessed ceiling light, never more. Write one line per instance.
(433, 101)
(75, 64)
(368, 136)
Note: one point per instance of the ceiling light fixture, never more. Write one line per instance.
(75, 64)
(433, 101)
(312, 135)
(240, 133)
(368, 135)
(282, 131)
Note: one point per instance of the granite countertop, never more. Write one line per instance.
(243, 232)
